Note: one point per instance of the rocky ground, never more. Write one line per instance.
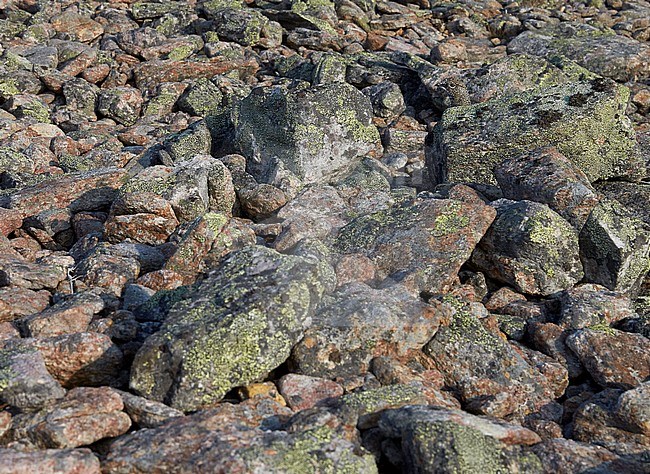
(300, 236)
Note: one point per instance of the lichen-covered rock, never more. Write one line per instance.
(488, 374)
(545, 175)
(185, 145)
(306, 133)
(359, 323)
(431, 439)
(232, 438)
(422, 243)
(632, 196)
(600, 50)
(238, 324)
(589, 305)
(387, 99)
(530, 247)
(201, 98)
(633, 407)
(16, 301)
(25, 382)
(122, 104)
(566, 456)
(243, 26)
(613, 358)
(614, 248)
(34, 276)
(584, 120)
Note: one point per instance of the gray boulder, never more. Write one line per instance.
(308, 133)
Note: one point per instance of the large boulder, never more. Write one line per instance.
(600, 50)
(237, 325)
(585, 120)
(308, 133)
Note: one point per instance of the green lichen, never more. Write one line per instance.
(603, 327)
(181, 52)
(450, 221)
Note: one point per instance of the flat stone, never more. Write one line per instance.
(16, 302)
(302, 391)
(49, 461)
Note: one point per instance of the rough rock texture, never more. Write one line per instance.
(239, 324)
(422, 244)
(530, 247)
(600, 50)
(584, 120)
(306, 133)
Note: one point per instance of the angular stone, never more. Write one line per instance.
(597, 422)
(589, 305)
(194, 140)
(302, 391)
(84, 358)
(122, 104)
(82, 191)
(239, 25)
(632, 196)
(633, 408)
(565, 456)
(614, 248)
(488, 374)
(70, 315)
(241, 310)
(49, 461)
(33, 276)
(359, 323)
(423, 243)
(584, 120)
(17, 301)
(227, 439)
(613, 358)
(85, 415)
(78, 27)
(600, 50)
(25, 382)
(545, 175)
(530, 247)
(105, 266)
(147, 413)
(309, 134)
(432, 439)
(387, 99)
(143, 217)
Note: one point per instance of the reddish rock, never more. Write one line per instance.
(161, 280)
(33, 276)
(16, 302)
(85, 415)
(566, 456)
(303, 391)
(81, 359)
(148, 74)
(141, 217)
(10, 220)
(147, 413)
(613, 358)
(67, 316)
(89, 190)
(77, 27)
(501, 298)
(49, 461)
(589, 305)
(354, 267)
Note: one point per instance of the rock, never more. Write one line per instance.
(584, 120)
(240, 26)
(83, 358)
(16, 302)
(33, 276)
(302, 391)
(122, 104)
(48, 461)
(25, 382)
(185, 145)
(629, 195)
(70, 315)
(228, 439)
(83, 416)
(484, 370)
(82, 191)
(590, 305)
(596, 422)
(201, 98)
(143, 217)
(178, 365)
(565, 456)
(530, 247)
(423, 243)
(613, 358)
(545, 175)
(598, 49)
(359, 323)
(421, 434)
(147, 413)
(614, 248)
(107, 267)
(634, 410)
(307, 133)
(387, 99)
